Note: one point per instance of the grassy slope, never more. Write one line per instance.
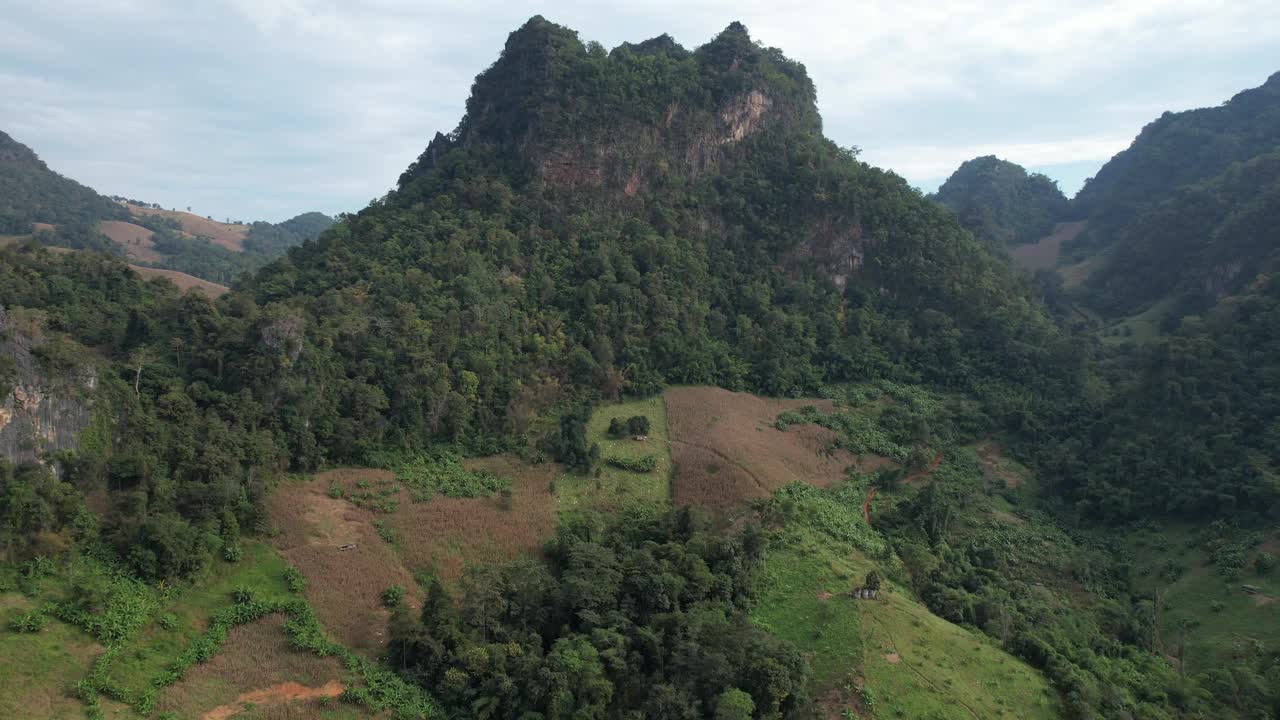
(39, 669)
(1195, 595)
(942, 671)
(613, 488)
(146, 656)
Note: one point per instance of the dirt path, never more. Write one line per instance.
(866, 505)
(274, 695)
(924, 472)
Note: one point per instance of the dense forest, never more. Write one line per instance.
(604, 224)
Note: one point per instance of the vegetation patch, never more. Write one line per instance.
(621, 479)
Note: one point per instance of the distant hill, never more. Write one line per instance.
(32, 193)
(36, 202)
(1001, 202)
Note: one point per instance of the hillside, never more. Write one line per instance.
(1001, 202)
(36, 202)
(32, 193)
(637, 397)
(1180, 215)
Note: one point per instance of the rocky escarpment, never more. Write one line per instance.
(39, 415)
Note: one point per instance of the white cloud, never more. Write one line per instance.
(250, 107)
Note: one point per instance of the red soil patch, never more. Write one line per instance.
(1043, 254)
(229, 236)
(866, 505)
(994, 466)
(136, 240)
(344, 586)
(40, 227)
(185, 282)
(893, 658)
(726, 449)
(918, 475)
(274, 695)
(257, 665)
(824, 595)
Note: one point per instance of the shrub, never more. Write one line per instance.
(1264, 563)
(168, 621)
(647, 463)
(232, 553)
(392, 596)
(242, 595)
(294, 579)
(336, 491)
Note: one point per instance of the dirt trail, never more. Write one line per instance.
(274, 695)
(866, 505)
(923, 472)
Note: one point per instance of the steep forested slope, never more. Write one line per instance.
(1182, 213)
(610, 222)
(1001, 202)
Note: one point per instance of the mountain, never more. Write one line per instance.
(611, 222)
(1001, 202)
(32, 193)
(61, 212)
(1180, 215)
(520, 505)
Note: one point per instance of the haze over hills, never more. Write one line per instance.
(638, 397)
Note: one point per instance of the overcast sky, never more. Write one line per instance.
(255, 109)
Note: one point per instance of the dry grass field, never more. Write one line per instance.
(136, 240)
(256, 668)
(447, 534)
(344, 586)
(185, 282)
(1043, 254)
(726, 449)
(228, 236)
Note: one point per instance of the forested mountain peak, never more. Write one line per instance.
(1001, 202)
(555, 110)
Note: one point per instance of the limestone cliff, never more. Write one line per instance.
(40, 414)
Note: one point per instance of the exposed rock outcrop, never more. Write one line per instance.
(40, 415)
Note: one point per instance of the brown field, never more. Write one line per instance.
(344, 586)
(256, 667)
(230, 237)
(184, 281)
(726, 449)
(450, 533)
(39, 227)
(1043, 254)
(135, 239)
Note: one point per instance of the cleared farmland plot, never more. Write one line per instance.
(726, 449)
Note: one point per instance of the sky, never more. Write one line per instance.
(262, 109)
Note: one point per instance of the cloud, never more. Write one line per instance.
(266, 108)
(926, 162)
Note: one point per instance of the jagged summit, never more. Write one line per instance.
(558, 110)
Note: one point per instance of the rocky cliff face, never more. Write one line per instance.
(40, 415)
